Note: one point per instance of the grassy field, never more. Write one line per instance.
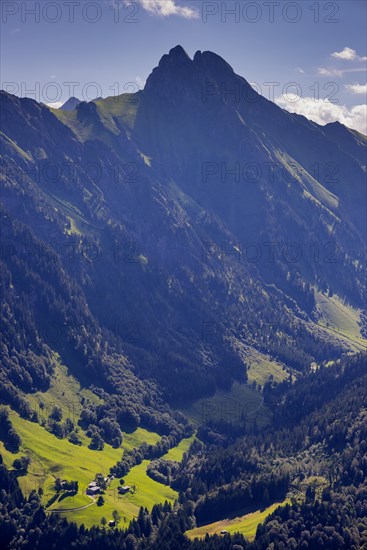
(146, 492)
(65, 392)
(341, 320)
(240, 404)
(52, 457)
(261, 367)
(65, 502)
(246, 525)
(176, 454)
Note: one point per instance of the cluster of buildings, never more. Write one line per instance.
(125, 489)
(93, 489)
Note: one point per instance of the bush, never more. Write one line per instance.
(56, 413)
(22, 463)
(74, 439)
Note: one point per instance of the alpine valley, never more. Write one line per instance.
(183, 323)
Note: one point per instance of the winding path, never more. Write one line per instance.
(61, 510)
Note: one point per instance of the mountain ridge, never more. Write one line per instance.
(192, 251)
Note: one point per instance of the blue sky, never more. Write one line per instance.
(310, 57)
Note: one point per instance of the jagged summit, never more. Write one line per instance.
(178, 74)
(172, 68)
(178, 52)
(211, 59)
(176, 56)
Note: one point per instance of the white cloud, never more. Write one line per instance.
(324, 111)
(357, 88)
(299, 70)
(140, 82)
(348, 54)
(55, 105)
(323, 71)
(165, 8)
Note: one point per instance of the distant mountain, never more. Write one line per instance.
(71, 104)
(187, 224)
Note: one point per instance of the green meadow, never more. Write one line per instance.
(145, 492)
(242, 404)
(341, 320)
(176, 453)
(52, 457)
(262, 367)
(246, 525)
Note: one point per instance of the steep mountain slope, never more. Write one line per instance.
(175, 262)
(70, 104)
(268, 174)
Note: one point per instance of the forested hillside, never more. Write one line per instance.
(183, 324)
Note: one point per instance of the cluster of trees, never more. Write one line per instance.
(66, 485)
(60, 429)
(291, 402)
(338, 521)
(163, 471)
(106, 429)
(25, 360)
(260, 492)
(150, 452)
(8, 435)
(300, 415)
(21, 464)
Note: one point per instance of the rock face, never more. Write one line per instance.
(71, 104)
(200, 215)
